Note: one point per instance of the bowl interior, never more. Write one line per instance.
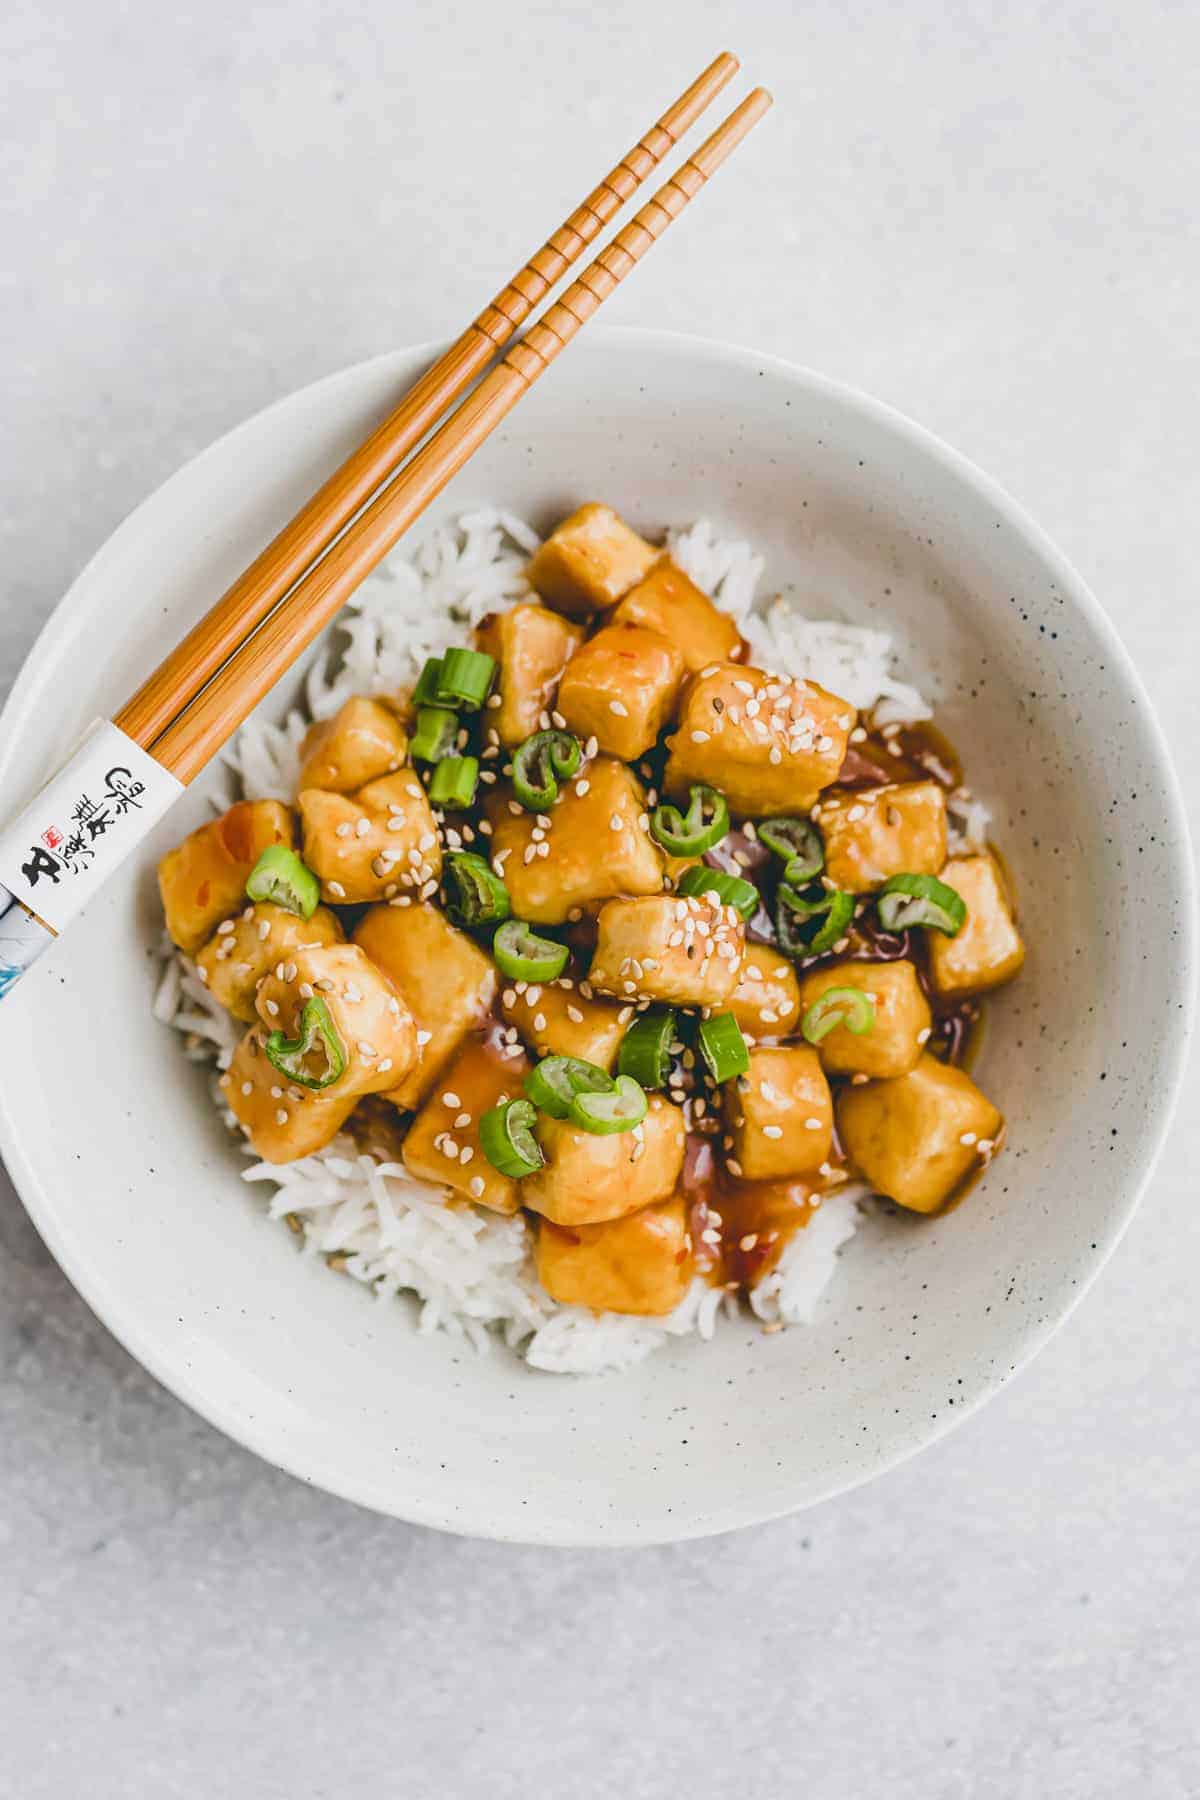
(132, 1181)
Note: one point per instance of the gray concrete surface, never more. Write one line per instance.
(985, 214)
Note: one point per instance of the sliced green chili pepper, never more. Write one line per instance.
(645, 1051)
(454, 781)
(425, 692)
(723, 1047)
(465, 679)
(506, 1138)
(846, 1006)
(809, 923)
(620, 1109)
(799, 844)
(730, 890)
(475, 894)
(435, 736)
(556, 1081)
(317, 1032)
(281, 877)
(524, 956)
(540, 763)
(908, 900)
(689, 834)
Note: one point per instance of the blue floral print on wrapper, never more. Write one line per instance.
(22, 940)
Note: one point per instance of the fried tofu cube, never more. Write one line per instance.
(640, 1264)
(779, 1114)
(902, 1018)
(685, 950)
(444, 978)
(203, 880)
(241, 950)
(363, 740)
(443, 1145)
(282, 1121)
(770, 745)
(766, 1000)
(589, 1177)
(590, 562)
(872, 834)
(917, 1137)
(988, 949)
(368, 846)
(532, 647)
(595, 846)
(668, 601)
(557, 1020)
(621, 689)
(373, 1026)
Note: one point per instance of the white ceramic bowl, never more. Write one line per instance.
(130, 1179)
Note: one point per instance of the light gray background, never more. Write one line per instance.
(984, 213)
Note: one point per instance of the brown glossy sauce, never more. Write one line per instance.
(739, 1229)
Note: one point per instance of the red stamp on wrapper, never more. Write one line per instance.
(52, 838)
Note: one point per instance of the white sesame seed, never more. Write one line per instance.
(968, 1138)
(247, 1088)
(618, 707)
(451, 1100)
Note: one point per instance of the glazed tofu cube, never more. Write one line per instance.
(640, 1264)
(591, 1177)
(590, 562)
(988, 949)
(770, 745)
(766, 1000)
(669, 602)
(684, 950)
(374, 844)
(595, 846)
(621, 689)
(560, 1021)
(204, 880)
(779, 1114)
(362, 741)
(532, 646)
(442, 1144)
(915, 1138)
(374, 1027)
(282, 1121)
(444, 979)
(872, 834)
(902, 1018)
(241, 951)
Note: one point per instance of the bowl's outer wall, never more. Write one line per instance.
(135, 1188)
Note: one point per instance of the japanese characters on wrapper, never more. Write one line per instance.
(69, 850)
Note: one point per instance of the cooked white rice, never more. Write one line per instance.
(471, 1271)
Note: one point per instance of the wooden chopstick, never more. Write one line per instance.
(194, 738)
(211, 642)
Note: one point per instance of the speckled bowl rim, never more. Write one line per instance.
(54, 640)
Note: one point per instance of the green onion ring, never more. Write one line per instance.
(730, 890)
(703, 825)
(620, 1109)
(798, 843)
(474, 893)
(317, 1029)
(539, 764)
(521, 954)
(809, 923)
(846, 1006)
(645, 1051)
(506, 1138)
(909, 900)
(281, 877)
(723, 1047)
(554, 1083)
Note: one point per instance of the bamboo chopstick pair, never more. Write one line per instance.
(199, 695)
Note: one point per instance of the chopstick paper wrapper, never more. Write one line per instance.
(71, 837)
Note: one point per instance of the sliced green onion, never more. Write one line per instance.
(620, 1109)
(645, 1051)
(908, 900)
(524, 956)
(723, 1047)
(799, 844)
(506, 1138)
(540, 763)
(454, 781)
(435, 736)
(465, 679)
(317, 1033)
(730, 890)
(425, 692)
(475, 894)
(811, 922)
(556, 1081)
(281, 877)
(689, 834)
(846, 1006)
